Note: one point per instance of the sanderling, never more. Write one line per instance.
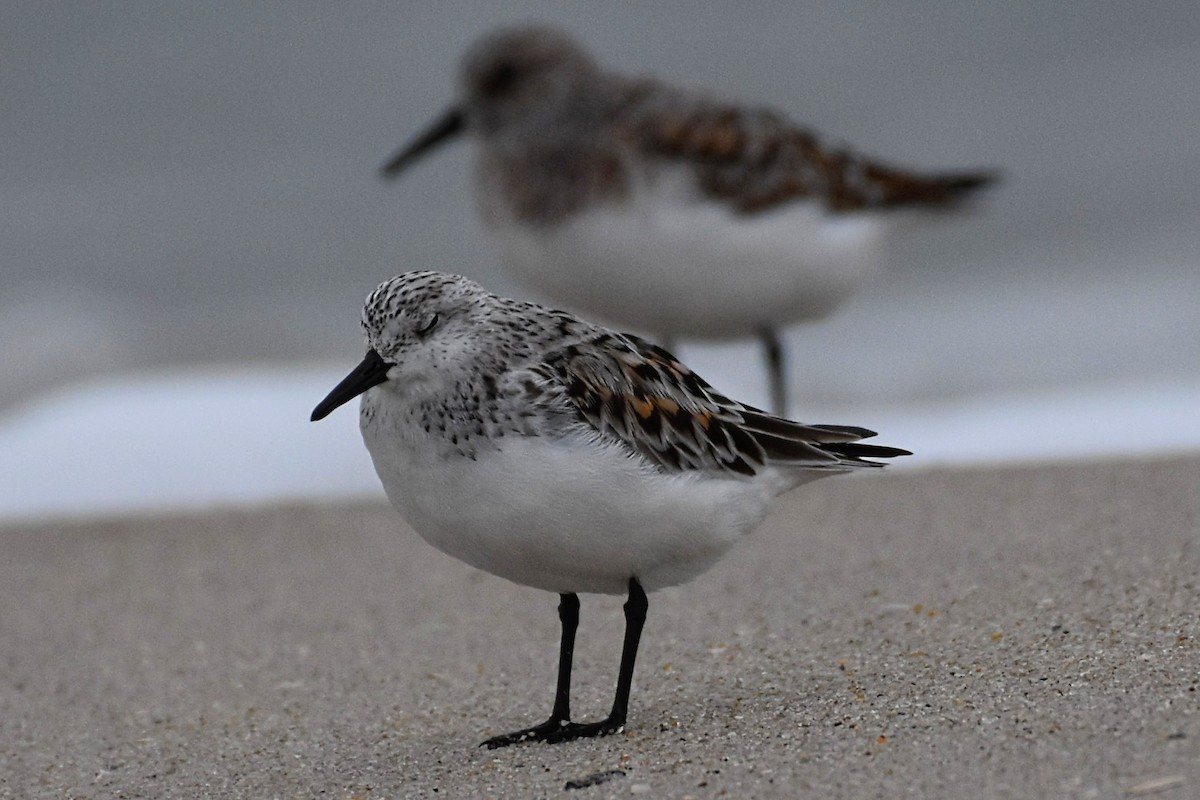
(665, 210)
(566, 456)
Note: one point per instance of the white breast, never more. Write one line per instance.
(568, 515)
(667, 261)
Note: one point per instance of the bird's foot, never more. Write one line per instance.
(585, 730)
(553, 731)
(538, 733)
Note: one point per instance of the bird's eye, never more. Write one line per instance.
(428, 327)
(500, 79)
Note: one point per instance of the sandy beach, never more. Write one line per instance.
(1016, 632)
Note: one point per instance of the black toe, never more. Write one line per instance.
(553, 731)
(585, 730)
(538, 733)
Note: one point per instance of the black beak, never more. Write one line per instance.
(451, 123)
(371, 372)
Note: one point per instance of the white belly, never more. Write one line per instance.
(663, 262)
(567, 518)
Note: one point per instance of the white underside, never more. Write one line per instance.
(567, 516)
(668, 262)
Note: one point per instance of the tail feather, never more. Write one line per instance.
(785, 441)
(901, 188)
(762, 422)
(856, 451)
(852, 432)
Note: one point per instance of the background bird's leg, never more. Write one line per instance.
(568, 614)
(773, 350)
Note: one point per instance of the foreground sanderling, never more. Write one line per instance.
(666, 210)
(565, 456)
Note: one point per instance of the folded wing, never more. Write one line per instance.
(755, 159)
(636, 392)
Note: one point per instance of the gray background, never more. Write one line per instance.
(195, 183)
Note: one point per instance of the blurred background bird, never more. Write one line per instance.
(667, 210)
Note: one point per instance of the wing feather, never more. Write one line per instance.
(637, 393)
(756, 159)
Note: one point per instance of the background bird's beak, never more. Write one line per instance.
(371, 372)
(450, 124)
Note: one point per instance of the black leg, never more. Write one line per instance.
(568, 614)
(773, 349)
(559, 728)
(635, 618)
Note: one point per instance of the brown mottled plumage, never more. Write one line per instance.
(638, 392)
(755, 160)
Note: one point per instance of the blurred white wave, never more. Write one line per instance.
(237, 436)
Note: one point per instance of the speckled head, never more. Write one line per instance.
(423, 322)
(425, 332)
(440, 339)
(410, 301)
